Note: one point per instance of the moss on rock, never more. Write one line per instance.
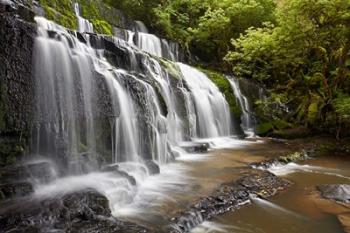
(102, 27)
(61, 12)
(293, 157)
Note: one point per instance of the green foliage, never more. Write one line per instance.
(102, 27)
(60, 12)
(264, 128)
(207, 26)
(302, 58)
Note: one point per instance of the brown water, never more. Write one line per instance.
(298, 210)
(294, 211)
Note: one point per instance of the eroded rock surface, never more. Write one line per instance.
(86, 211)
(228, 197)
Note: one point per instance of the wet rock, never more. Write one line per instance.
(337, 192)
(17, 34)
(293, 157)
(195, 147)
(152, 167)
(86, 211)
(40, 171)
(115, 170)
(228, 197)
(15, 189)
(81, 37)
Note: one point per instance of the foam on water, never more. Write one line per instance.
(285, 169)
(225, 142)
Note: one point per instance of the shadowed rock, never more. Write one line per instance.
(86, 211)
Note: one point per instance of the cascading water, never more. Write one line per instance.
(247, 118)
(142, 39)
(59, 70)
(213, 114)
(154, 106)
(83, 24)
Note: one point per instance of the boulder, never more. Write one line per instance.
(195, 147)
(85, 211)
(152, 167)
(337, 192)
(115, 170)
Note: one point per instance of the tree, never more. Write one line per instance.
(302, 57)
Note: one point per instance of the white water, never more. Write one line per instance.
(213, 114)
(68, 129)
(84, 25)
(247, 119)
(150, 43)
(55, 66)
(285, 169)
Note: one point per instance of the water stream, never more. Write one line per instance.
(297, 210)
(115, 114)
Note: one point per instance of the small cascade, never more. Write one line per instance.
(247, 118)
(125, 133)
(140, 27)
(149, 43)
(139, 36)
(84, 25)
(212, 110)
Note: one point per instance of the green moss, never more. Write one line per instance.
(60, 12)
(312, 113)
(281, 124)
(89, 9)
(291, 157)
(10, 151)
(225, 87)
(264, 128)
(102, 27)
(170, 67)
(292, 133)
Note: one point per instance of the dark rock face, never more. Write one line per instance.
(86, 211)
(115, 169)
(293, 157)
(337, 192)
(195, 147)
(229, 197)
(152, 167)
(17, 34)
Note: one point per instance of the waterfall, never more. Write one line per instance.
(247, 118)
(213, 114)
(140, 37)
(102, 103)
(83, 24)
(58, 71)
